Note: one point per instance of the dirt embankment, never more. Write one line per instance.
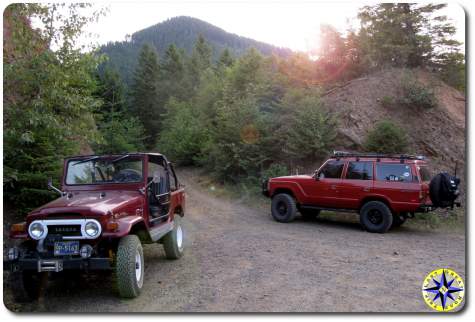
(240, 260)
(438, 133)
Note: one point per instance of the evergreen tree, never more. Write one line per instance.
(225, 59)
(405, 34)
(145, 99)
(200, 61)
(111, 90)
(119, 132)
(48, 99)
(172, 75)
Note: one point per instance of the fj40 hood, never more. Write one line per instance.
(97, 202)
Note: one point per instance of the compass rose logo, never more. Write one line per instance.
(443, 289)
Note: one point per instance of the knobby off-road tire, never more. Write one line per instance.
(376, 217)
(309, 214)
(26, 286)
(283, 207)
(398, 220)
(129, 268)
(173, 242)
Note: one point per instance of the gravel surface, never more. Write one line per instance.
(238, 259)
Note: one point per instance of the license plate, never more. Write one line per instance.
(66, 248)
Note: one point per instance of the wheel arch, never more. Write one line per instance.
(375, 198)
(140, 229)
(283, 190)
(178, 210)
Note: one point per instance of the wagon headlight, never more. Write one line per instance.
(37, 230)
(92, 229)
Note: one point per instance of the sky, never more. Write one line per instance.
(291, 24)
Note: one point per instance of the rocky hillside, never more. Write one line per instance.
(438, 133)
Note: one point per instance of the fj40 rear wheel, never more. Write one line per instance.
(129, 268)
(173, 241)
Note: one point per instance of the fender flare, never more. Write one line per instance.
(126, 224)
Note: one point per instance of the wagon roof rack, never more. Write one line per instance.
(378, 156)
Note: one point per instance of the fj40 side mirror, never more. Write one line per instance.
(51, 187)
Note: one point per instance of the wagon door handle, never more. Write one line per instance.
(333, 187)
(366, 189)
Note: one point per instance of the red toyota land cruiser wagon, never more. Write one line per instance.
(383, 189)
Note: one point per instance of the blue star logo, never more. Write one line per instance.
(443, 289)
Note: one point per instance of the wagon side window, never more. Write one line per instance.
(360, 171)
(331, 170)
(394, 172)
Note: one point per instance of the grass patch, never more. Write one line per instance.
(440, 220)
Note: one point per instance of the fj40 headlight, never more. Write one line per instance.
(37, 230)
(92, 229)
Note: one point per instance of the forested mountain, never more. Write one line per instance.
(183, 32)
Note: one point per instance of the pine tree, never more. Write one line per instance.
(111, 90)
(146, 104)
(406, 34)
(200, 61)
(172, 75)
(119, 131)
(225, 60)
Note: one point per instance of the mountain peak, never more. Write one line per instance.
(183, 31)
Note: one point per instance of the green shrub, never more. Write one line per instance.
(387, 101)
(275, 170)
(417, 95)
(184, 136)
(386, 137)
(311, 128)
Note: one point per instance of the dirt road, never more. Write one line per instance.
(239, 259)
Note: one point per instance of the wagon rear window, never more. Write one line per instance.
(393, 172)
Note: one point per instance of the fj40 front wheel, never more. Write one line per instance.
(26, 286)
(129, 268)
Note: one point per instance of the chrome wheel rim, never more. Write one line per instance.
(138, 266)
(179, 237)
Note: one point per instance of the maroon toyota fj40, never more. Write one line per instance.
(383, 189)
(108, 206)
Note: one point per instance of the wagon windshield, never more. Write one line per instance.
(104, 170)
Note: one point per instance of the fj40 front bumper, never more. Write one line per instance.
(57, 264)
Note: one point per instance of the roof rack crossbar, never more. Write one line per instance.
(343, 154)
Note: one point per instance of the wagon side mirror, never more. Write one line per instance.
(317, 176)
